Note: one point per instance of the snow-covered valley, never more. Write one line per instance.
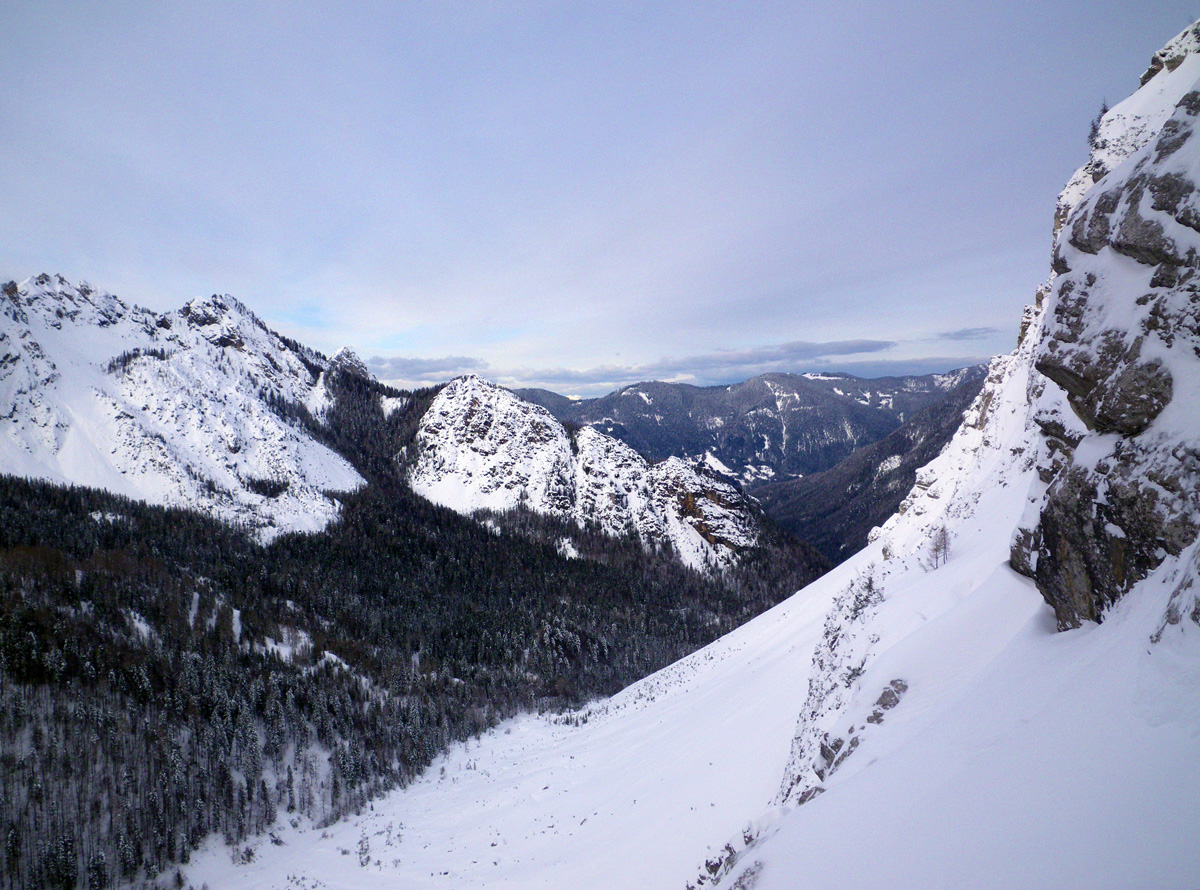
(925, 715)
(1001, 690)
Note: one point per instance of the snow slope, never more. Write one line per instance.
(172, 409)
(1002, 764)
(480, 447)
(913, 719)
(1010, 741)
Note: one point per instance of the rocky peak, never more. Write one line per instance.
(57, 300)
(346, 360)
(174, 409)
(1128, 126)
(479, 446)
(223, 320)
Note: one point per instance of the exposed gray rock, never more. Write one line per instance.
(1093, 547)
(1184, 603)
(1122, 340)
(888, 699)
(1172, 55)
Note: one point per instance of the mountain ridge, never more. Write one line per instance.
(773, 425)
(480, 447)
(174, 408)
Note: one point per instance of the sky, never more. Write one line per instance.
(569, 195)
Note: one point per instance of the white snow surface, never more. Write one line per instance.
(480, 447)
(911, 720)
(1130, 124)
(170, 409)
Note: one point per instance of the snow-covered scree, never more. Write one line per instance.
(915, 718)
(481, 447)
(172, 409)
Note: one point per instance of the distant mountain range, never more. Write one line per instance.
(767, 428)
(835, 510)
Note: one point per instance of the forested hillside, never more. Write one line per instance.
(164, 675)
(835, 510)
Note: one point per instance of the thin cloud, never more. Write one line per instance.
(967, 334)
(721, 366)
(425, 369)
(782, 356)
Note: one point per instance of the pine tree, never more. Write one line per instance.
(1094, 131)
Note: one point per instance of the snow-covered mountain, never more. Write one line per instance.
(1002, 690)
(480, 447)
(775, 426)
(174, 409)
(836, 509)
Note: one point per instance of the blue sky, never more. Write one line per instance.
(566, 194)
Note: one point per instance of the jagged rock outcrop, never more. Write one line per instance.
(1121, 338)
(480, 447)
(177, 408)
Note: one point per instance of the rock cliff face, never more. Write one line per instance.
(481, 447)
(1121, 342)
(175, 409)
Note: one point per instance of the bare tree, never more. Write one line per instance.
(940, 548)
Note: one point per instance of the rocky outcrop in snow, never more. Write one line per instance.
(480, 447)
(1091, 421)
(174, 409)
(1122, 341)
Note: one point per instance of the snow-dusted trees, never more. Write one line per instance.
(145, 701)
